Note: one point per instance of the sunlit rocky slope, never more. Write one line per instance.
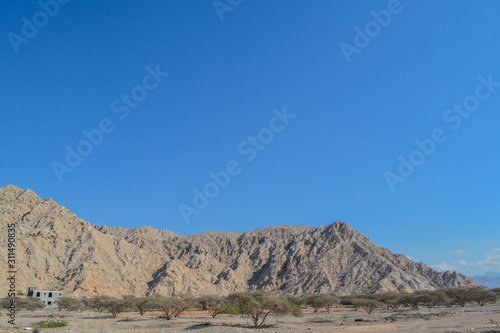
(57, 250)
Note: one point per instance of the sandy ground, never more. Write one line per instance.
(436, 320)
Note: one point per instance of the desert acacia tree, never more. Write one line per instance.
(483, 296)
(24, 303)
(213, 303)
(115, 306)
(96, 302)
(259, 305)
(415, 299)
(429, 298)
(432, 298)
(69, 303)
(461, 295)
(129, 299)
(391, 299)
(369, 305)
(170, 306)
(318, 301)
(349, 300)
(297, 300)
(143, 304)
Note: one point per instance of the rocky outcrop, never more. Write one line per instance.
(57, 250)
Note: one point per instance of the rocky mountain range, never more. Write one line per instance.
(489, 280)
(55, 250)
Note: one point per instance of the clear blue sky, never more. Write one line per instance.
(352, 119)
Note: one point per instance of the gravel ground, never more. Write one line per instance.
(436, 320)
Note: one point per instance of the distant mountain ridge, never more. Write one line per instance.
(489, 280)
(57, 250)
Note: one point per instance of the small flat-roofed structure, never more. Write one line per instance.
(47, 297)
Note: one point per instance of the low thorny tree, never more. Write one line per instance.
(369, 305)
(259, 305)
(170, 306)
(115, 306)
(24, 303)
(70, 304)
(318, 301)
(461, 295)
(483, 296)
(143, 304)
(214, 304)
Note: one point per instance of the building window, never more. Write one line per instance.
(38, 294)
(50, 294)
(49, 303)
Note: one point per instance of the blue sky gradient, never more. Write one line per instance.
(354, 116)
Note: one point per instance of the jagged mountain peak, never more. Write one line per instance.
(56, 249)
(13, 192)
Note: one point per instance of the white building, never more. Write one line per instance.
(47, 297)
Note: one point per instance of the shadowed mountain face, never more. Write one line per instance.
(57, 250)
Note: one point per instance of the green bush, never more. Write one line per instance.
(228, 309)
(50, 323)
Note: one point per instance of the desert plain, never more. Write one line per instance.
(435, 320)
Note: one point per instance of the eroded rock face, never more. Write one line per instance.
(57, 250)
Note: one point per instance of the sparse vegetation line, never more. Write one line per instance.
(260, 306)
